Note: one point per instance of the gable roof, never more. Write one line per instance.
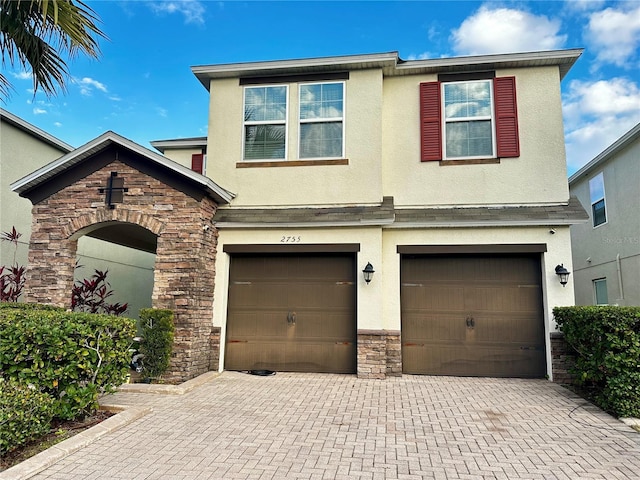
(26, 127)
(57, 167)
(390, 63)
(625, 140)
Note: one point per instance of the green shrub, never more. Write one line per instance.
(25, 414)
(157, 332)
(70, 356)
(607, 342)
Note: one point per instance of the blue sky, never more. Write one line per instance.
(142, 86)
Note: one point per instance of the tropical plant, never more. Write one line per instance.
(38, 34)
(90, 295)
(12, 276)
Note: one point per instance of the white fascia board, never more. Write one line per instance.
(504, 60)
(205, 73)
(33, 130)
(607, 153)
(488, 224)
(163, 145)
(254, 225)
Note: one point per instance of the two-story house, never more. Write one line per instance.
(606, 250)
(357, 214)
(447, 176)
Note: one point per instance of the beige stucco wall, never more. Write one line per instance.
(595, 250)
(538, 176)
(20, 154)
(378, 303)
(358, 182)
(181, 155)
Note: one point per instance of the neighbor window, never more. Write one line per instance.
(600, 291)
(598, 207)
(468, 119)
(265, 122)
(321, 120)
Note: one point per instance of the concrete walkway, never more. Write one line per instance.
(318, 426)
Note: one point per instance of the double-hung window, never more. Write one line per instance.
(598, 207)
(321, 120)
(469, 119)
(265, 122)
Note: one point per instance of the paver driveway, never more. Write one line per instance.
(317, 426)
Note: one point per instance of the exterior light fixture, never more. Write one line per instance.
(368, 272)
(563, 273)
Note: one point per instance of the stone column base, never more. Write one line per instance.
(379, 354)
(562, 359)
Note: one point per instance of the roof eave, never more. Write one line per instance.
(607, 153)
(33, 130)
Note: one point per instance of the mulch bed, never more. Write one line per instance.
(60, 430)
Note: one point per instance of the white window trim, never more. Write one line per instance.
(323, 120)
(491, 117)
(284, 122)
(592, 203)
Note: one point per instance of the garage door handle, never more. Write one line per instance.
(291, 318)
(471, 323)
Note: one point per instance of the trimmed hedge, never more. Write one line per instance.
(25, 414)
(157, 333)
(607, 342)
(72, 357)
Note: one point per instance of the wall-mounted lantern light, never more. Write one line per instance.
(563, 273)
(368, 272)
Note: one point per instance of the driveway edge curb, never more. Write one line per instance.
(50, 456)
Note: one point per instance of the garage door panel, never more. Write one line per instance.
(472, 315)
(300, 317)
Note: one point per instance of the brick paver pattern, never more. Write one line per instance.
(322, 426)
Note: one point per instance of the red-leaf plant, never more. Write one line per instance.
(90, 295)
(11, 277)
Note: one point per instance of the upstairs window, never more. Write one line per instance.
(598, 207)
(265, 122)
(467, 120)
(600, 294)
(321, 120)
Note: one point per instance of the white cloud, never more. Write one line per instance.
(584, 5)
(57, 124)
(192, 10)
(161, 111)
(506, 30)
(115, 98)
(39, 111)
(420, 56)
(597, 113)
(21, 75)
(614, 35)
(87, 86)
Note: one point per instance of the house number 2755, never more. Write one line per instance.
(290, 239)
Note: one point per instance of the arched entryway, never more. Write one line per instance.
(152, 199)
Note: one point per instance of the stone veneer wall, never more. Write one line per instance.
(562, 359)
(379, 354)
(185, 256)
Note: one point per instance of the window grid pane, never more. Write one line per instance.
(321, 120)
(469, 139)
(265, 114)
(599, 213)
(264, 142)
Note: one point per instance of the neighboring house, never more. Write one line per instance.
(358, 214)
(606, 250)
(25, 148)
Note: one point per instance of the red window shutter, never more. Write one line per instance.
(504, 90)
(197, 160)
(430, 122)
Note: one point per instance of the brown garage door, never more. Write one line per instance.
(292, 313)
(472, 315)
